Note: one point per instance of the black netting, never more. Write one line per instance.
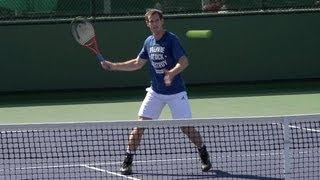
(39, 9)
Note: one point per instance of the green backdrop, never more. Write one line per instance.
(243, 48)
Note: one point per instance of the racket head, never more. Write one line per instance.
(84, 33)
(82, 30)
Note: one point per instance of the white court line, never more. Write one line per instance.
(297, 127)
(90, 165)
(110, 172)
(307, 129)
(128, 177)
(226, 155)
(144, 161)
(97, 164)
(54, 166)
(164, 160)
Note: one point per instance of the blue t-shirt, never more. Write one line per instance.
(163, 54)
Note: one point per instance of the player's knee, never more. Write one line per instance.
(138, 131)
(186, 130)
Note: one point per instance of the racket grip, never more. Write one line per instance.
(100, 57)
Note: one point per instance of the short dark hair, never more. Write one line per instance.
(151, 12)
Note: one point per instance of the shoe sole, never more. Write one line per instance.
(125, 172)
(207, 168)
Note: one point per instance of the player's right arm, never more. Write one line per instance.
(130, 65)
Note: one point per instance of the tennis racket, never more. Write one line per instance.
(84, 33)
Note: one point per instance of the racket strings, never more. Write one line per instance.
(84, 33)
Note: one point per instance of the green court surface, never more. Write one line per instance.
(219, 100)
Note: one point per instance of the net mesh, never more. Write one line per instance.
(285, 147)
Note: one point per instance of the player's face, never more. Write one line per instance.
(155, 23)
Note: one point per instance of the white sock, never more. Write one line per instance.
(129, 151)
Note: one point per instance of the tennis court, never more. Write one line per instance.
(60, 117)
(283, 147)
(240, 148)
(220, 100)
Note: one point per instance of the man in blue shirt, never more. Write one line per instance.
(166, 59)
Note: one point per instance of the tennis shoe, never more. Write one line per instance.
(126, 167)
(205, 159)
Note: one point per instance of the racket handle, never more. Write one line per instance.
(100, 57)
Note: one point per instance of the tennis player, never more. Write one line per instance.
(166, 59)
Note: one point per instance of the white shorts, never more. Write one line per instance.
(153, 104)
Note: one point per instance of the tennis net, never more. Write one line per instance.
(282, 147)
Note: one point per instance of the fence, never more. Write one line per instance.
(36, 9)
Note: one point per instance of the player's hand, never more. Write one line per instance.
(107, 65)
(168, 77)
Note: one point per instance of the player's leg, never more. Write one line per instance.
(180, 109)
(151, 108)
(135, 138)
(134, 141)
(195, 137)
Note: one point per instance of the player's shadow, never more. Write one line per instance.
(223, 174)
(208, 175)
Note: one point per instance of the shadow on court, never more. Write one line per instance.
(217, 174)
(222, 174)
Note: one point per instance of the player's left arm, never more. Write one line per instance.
(169, 75)
(129, 65)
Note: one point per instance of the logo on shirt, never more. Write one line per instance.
(158, 58)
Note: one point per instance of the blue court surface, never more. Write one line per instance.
(269, 148)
